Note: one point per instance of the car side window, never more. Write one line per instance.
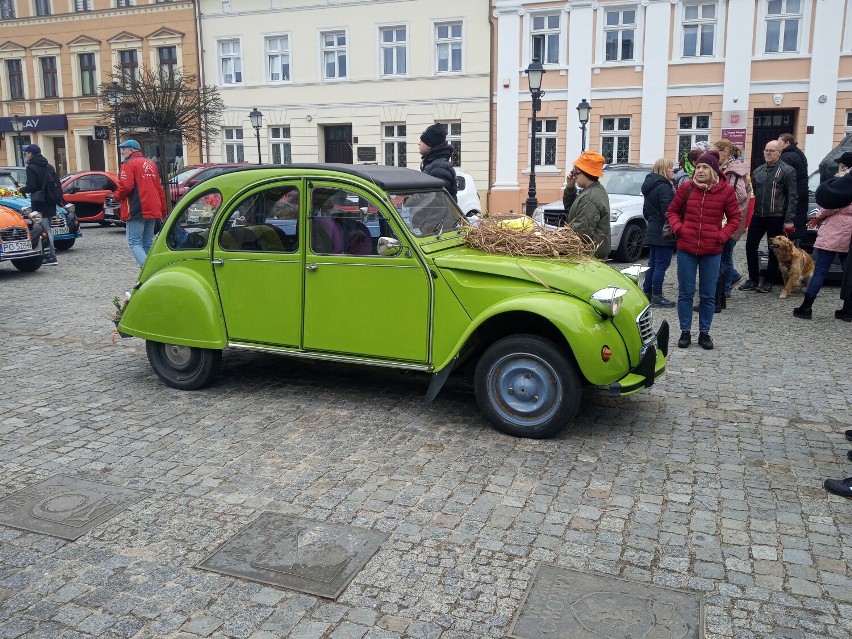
(343, 222)
(190, 231)
(265, 222)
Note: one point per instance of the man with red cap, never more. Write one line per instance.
(588, 211)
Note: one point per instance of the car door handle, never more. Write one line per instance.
(218, 262)
(311, 267)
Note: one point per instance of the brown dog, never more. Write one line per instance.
(797, 267)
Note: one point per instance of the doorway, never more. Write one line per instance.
(97, 162)
(60, 156)
(338, 144)
(768, 125)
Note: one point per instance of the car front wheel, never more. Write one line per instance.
(183, 367)
(64, 245)
(632, 241)
(527, 387)
(28, 264)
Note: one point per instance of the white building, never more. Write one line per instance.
(349, 80)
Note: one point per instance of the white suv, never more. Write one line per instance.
(468, 196)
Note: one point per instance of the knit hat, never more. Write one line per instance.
(434, 135)
(130, 144)
(591, 163)
(711, 159)
(845, 159)
(32, 148)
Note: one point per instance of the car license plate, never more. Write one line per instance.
(58, 230)
(14, 247)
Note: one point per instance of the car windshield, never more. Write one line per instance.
(427, 213)
(7, 181)
(183, 175)
(813, 182)
(623, 182)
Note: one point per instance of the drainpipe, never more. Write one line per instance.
(491, 75)
(203, 144)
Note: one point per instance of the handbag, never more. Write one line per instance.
(38, 198)
(668, 234)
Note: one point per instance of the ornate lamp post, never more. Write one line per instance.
(17, 127)
(534, 72)
(256, 118)
(115, 95)
(583, 110)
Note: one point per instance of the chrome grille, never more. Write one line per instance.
(645, 322)
(14, 233)
(57, 221)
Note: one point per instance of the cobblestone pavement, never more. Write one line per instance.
(711, 481)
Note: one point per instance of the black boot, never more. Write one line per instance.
(804, 311)
(845, 313)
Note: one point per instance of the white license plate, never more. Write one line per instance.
(58, 230)
(14, 247)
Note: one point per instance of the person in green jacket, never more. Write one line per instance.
(588, 211)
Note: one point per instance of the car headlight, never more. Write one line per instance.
(614, 214)
(607, 301)
(636, 272)
(26, 210)
(35, 216)
(70, 208)
(813, 212)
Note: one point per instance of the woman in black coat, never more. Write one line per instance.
(659, 192)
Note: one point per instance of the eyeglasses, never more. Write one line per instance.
(771, 151)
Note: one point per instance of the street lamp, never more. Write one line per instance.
(256, 118)
(583, 113)
(17, 127)
(115, 95)
(534, 72)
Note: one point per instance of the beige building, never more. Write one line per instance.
(354, 81)
(661, 75)
(55, 54)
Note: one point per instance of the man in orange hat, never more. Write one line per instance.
(588, 211)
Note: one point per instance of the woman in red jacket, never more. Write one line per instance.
(703, 215)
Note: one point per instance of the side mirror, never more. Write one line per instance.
(389, 246)
(73, 190)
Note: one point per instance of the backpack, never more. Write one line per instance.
(52, 187)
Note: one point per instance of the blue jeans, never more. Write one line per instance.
(707, 269)
(659, 258)
(140, 237)
(822, 262)
(728, 262)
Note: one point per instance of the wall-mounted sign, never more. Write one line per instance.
(366, 154)
(736, 136)
(100, 132)
(36, 123)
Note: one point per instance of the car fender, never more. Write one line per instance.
(584, 330)
(176, 305)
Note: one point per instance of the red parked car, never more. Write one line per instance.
(182, 182)
(87, 191)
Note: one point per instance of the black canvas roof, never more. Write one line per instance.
(388, 178)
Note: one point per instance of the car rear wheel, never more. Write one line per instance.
(183, 367)
(28, 264)
(527, 387)
(64, 245)
(632, 243)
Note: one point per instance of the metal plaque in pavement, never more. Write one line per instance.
(64, 506)
(309, 556)
(569, 604)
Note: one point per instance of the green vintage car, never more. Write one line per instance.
(368, 265)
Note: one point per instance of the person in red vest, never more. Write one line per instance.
(140, 185)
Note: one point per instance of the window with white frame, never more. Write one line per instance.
(394, 50)
(692, 129)
(49, 79)
(544, 37)
(15, 72)
(230, 62)
(448, 47)
(88, 74)
(699, 29)
(234, 151)
(279, 141)
(278, 58)
(615, 139)
(783, 26)
(393, 139)
(168, 61)
(42, 7)
(454, 140)
(848, 128)
(123, 3)
(82, 5)
(619, 34)
(545, 142)
(334, 52)
(128, 61)
(7, 9)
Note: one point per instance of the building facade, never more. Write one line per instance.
(661, 75)
(355, 81)
(55, 55)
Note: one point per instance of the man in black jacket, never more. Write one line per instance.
(40, 176)
(791, 154)
(437, 156)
